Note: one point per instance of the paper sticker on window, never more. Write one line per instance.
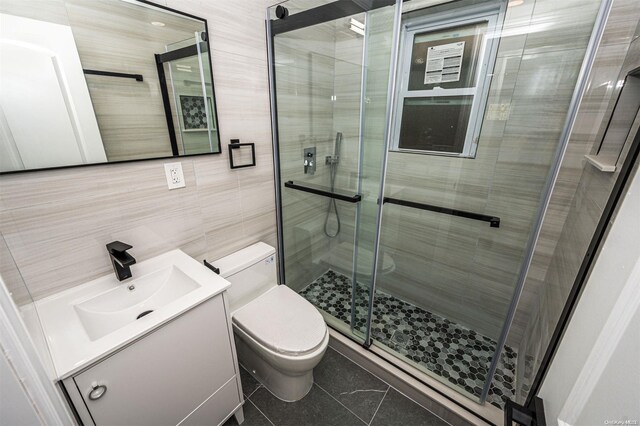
(444, 63)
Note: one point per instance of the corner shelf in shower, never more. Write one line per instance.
(325, 192)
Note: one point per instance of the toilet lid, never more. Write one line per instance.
(283, 321)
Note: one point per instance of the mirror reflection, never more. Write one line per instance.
(85, 82)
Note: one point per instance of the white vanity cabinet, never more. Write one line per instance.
(184, 372)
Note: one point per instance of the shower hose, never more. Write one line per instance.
(332, 203)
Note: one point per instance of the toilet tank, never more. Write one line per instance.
(251, 272)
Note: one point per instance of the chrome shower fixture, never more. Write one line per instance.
(335, 158)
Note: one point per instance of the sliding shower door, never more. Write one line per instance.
(416, 143)
(481, 96)
(318, 71)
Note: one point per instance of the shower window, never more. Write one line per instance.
(443, 82)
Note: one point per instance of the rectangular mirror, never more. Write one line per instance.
(89, 82)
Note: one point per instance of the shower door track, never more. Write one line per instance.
(325, 13)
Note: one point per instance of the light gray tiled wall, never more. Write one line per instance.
(577, 200)
(57, 222)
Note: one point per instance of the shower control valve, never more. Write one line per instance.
(309, 162)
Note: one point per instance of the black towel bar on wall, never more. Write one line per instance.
(493, 220)
(136, 77)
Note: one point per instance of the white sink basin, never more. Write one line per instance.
(128, 302)
(85, 323)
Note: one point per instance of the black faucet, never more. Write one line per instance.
(120, 259)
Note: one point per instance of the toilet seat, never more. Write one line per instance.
(283, 321)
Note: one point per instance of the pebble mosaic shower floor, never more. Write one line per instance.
(452, 351)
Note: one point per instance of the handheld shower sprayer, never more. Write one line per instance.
(335, 158)
(332, 161)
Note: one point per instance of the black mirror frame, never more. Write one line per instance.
(172, 157)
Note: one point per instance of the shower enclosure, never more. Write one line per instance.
(415, 145)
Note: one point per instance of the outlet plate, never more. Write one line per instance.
(175, 177)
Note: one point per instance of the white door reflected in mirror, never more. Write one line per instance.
(46, 114)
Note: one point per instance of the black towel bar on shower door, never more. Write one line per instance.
(493, 220)
(355, 198)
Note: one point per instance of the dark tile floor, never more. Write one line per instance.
(343, 394)
(456, 353)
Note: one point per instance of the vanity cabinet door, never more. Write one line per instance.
(161, 378)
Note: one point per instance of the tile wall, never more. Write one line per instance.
(57, 222)
(578, 199)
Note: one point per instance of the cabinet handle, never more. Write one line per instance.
(97, 392)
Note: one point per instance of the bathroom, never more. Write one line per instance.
(403, 245)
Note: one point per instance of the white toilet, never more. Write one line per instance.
(280, 337)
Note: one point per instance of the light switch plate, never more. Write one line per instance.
(175, 177)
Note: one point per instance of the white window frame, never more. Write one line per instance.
(492, 14)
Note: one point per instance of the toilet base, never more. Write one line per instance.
(286, 386)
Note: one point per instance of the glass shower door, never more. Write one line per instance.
(325, 188)
(319, 193)
(467, 170)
